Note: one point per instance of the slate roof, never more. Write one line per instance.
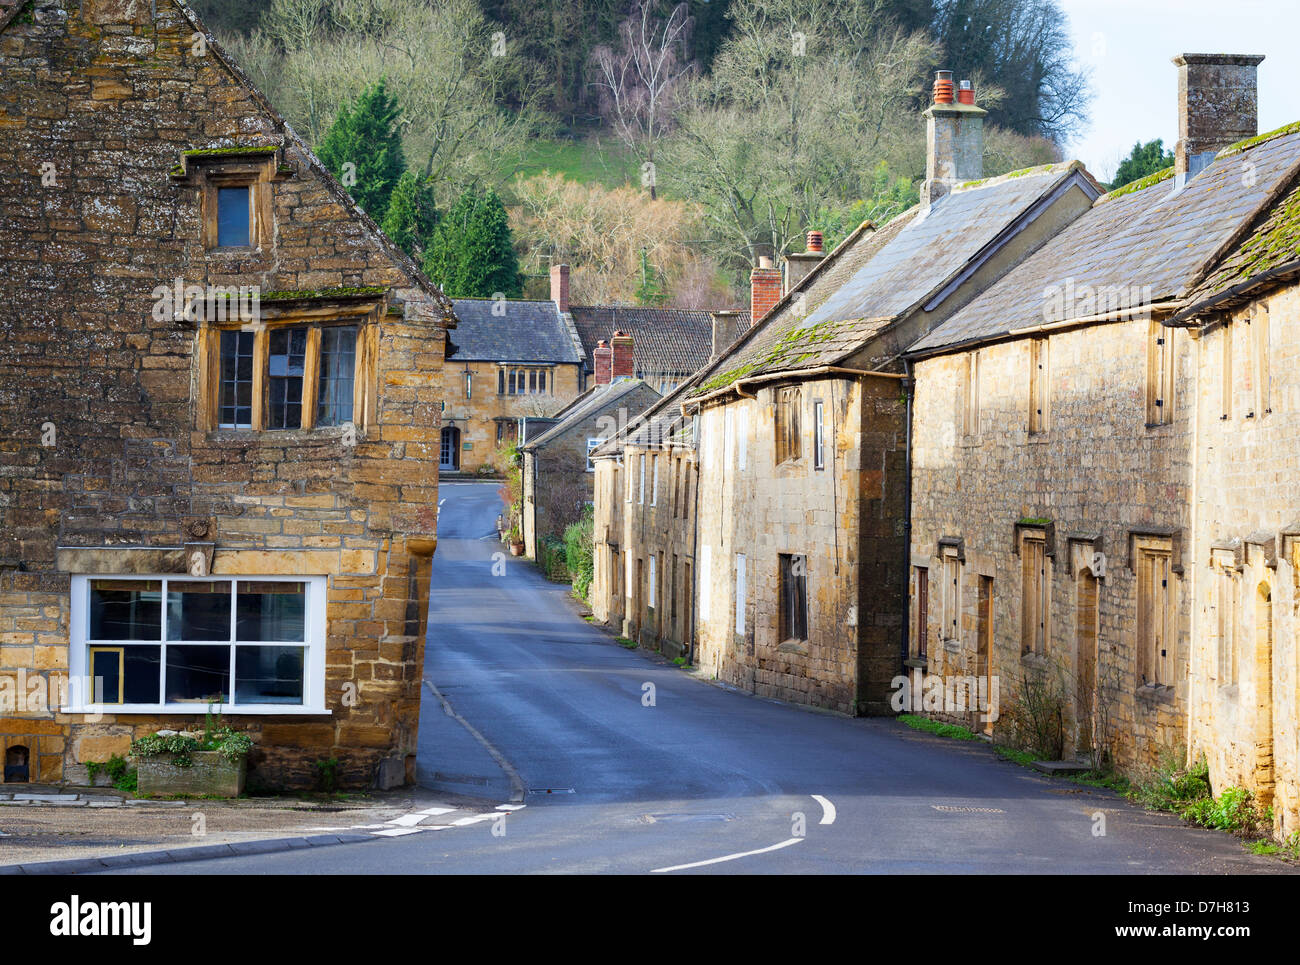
(525, 331)
(909, 263)
(664, 340)
(593, 401)
(1153, 236)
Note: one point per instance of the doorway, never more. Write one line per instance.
(449, 455)
(1085, 662)
(984, 651)
(1264, 695)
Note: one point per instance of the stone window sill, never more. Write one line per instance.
(279, 437)
(916, 663)
(1229, 691)
(952, 646)
(1155, 694)
(194, 710)
(1035, 661)
(793, 646)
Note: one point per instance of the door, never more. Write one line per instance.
(449, 457)
(1085, 661)
(984, 650)
(1264, 695)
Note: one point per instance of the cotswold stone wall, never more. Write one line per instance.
(476, 417)
(845, 518)
(102, 444)
(606, 595)
(1097, 474)
(1244, 708)
(660, 525)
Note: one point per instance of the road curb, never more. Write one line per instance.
(207, 852)
(517, 789)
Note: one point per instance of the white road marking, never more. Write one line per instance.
(396, 832)
(511, 807)
(728, 857)
(828, 809)
(475, 819)
(408, 820)
(438, 810)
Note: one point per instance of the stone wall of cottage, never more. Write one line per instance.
(660, 523)
(1097, 474)
(1244, 709)
(477, 417)
(846, 519)
(606, 597)
(99, 440)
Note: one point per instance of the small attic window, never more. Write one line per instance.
(233, 217)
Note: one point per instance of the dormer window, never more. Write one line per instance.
(234, 217)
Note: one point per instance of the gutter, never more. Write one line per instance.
(739, 384)
(1245, 289)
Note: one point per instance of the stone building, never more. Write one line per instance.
(1088, 513)
(507, 362)
(558, 473)
(799, 435)
(218, 433)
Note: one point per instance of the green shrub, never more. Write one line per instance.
(552, 558)
(579, 552)
(1173, 787)
(327, 774)
(1234, 810)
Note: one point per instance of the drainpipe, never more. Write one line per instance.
(909, 388)
(695, 554)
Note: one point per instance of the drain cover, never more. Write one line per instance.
(681, 817)
(954, 808)
(550, 790)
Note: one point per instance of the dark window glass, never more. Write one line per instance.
(124, 675)
(197, 674)
(268, 675)
(512, 381)
(236, 380)
(541, 381)
(794, 597)
(501, 381)
(532, 380)
(270, 612)
(232, 217)
(125, 609)
(198, 611)
(285, 363)
(338, 366)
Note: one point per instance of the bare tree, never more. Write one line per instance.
(638, 81)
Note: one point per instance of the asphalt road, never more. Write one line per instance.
(617, 783)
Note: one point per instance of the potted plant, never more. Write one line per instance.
(516, 540)
(214, 763)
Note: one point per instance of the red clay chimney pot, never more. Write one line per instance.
(943, 87)
(966, 93)
(814, 241)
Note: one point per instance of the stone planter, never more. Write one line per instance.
(516, 549)
(209, 774)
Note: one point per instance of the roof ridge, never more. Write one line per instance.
(1054, 167)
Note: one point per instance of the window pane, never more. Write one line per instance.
(197, 674)
(338, 365)
(286, 361)
(232, 217)
(198, 611)
(125, 609)
(268, 675)
(236, 380)
(541, 381)
(126, 675)
(270, 612)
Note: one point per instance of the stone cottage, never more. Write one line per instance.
(1098, 491)
(218, 424)
(507, 362)
(558, 473)
(800, 430)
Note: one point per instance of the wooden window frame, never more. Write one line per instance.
(1035, 593)
(786, 413)
(921, 628)
(819, 434)
(1040, 386)
(792, 570)
(1156, 614)
(1227, 595)
(257, 177)
(1261, 350)
(365, 378)
(1160, 374)
(951, 598)
(971, 408)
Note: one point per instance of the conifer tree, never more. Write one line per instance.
(363, 149)
(412, 215)
(472, 253)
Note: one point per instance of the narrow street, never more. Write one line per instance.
(613, 785)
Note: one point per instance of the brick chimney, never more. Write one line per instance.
(602, 362)
(726, 329)
(560, 286)
(1218, 105)
(764, 288)
(797, 266)
(954, 138)
(623, 364)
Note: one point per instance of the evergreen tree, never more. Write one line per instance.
(365, 135)
(1144, 159)
(471, 254)
(411, 216)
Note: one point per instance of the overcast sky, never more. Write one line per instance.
(1127, 46)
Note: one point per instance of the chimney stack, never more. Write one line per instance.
(764, 288)
(726, 329)
(954, 138)
(1218, 105)
(560, 286)
(602, 361)
(797, 266)
(623, 363)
